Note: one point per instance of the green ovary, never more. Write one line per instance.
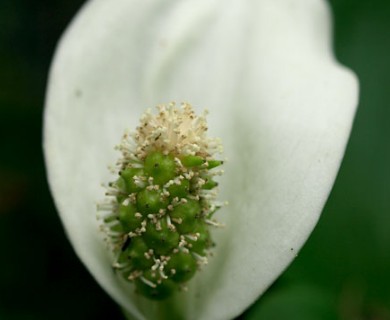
(161, 217)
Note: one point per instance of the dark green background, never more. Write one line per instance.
(343, 272)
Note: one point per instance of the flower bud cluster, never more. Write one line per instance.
(158, 211)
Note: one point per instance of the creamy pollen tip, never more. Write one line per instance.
(158, 212)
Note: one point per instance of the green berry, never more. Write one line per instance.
(187, 213)
(151, 201)
(161, 167)
(120, 184)
(210, 184)
(160, 237)
(179, 190)
(203, 240)
(152, 286)
(182, 266)
(135, 253)
(116, 227)
(192, 161)
(128, 218)
(213, 163)
(126, 182)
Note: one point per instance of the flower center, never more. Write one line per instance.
(158, 211)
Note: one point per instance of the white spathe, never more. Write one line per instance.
(278, 99)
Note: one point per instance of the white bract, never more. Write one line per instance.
(279, 101)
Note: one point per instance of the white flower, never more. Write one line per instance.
(278, 99)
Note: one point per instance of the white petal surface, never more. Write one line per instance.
(281, 104)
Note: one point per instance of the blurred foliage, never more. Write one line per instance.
(341, 273)
(40, 276)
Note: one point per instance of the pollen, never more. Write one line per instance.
(159, 210)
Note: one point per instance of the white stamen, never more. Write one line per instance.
(147, 282)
